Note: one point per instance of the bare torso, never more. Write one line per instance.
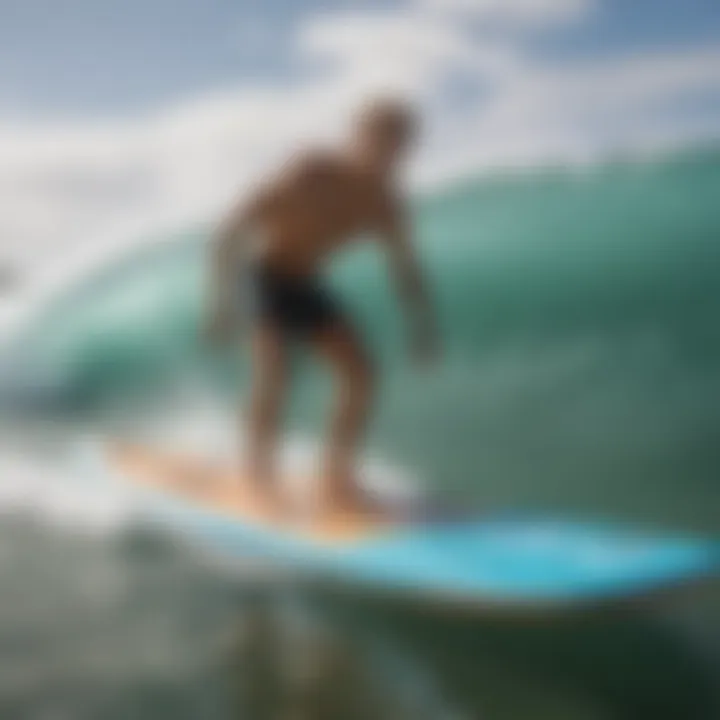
(318, 204)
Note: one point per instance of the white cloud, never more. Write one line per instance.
(580, 111)
(410, 53)
(513, 13)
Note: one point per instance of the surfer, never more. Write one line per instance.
(278, 241)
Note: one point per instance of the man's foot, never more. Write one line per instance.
(350, 500)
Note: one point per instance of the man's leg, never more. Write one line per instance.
(341, 347)
(269, 374)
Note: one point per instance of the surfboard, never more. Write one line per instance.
(530, 562)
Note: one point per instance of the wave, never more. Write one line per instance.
(552, 254)
(67, 497)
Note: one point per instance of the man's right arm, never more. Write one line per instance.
(227, 253)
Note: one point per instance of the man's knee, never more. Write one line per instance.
(268, 385)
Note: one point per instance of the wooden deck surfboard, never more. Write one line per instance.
(221, 490)
(532, 562)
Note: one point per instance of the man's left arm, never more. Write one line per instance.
(410, 282)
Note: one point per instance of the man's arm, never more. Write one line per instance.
(227, 253)
(410, 282)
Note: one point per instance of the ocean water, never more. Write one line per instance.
(581, 374)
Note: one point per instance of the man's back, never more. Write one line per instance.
(317, 204)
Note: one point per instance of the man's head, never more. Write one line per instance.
(383, 130)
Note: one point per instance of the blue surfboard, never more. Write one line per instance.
(506, 562)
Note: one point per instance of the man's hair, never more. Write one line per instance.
(391, 115)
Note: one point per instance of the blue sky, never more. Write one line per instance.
(133, 115)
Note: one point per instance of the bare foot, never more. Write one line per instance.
(269, 500)
(351, 502)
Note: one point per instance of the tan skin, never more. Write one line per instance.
(319, 204)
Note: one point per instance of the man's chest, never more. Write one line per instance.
(342, 206)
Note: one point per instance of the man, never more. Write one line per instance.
(287, 230)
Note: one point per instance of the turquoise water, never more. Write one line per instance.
(581, 374)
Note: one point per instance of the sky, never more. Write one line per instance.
(123, 118)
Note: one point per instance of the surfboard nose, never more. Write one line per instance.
(537, 560)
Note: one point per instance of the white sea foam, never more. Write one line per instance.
(71, 496)
(84, 259)
(82, 493)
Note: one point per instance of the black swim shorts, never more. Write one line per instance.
(298, 306)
